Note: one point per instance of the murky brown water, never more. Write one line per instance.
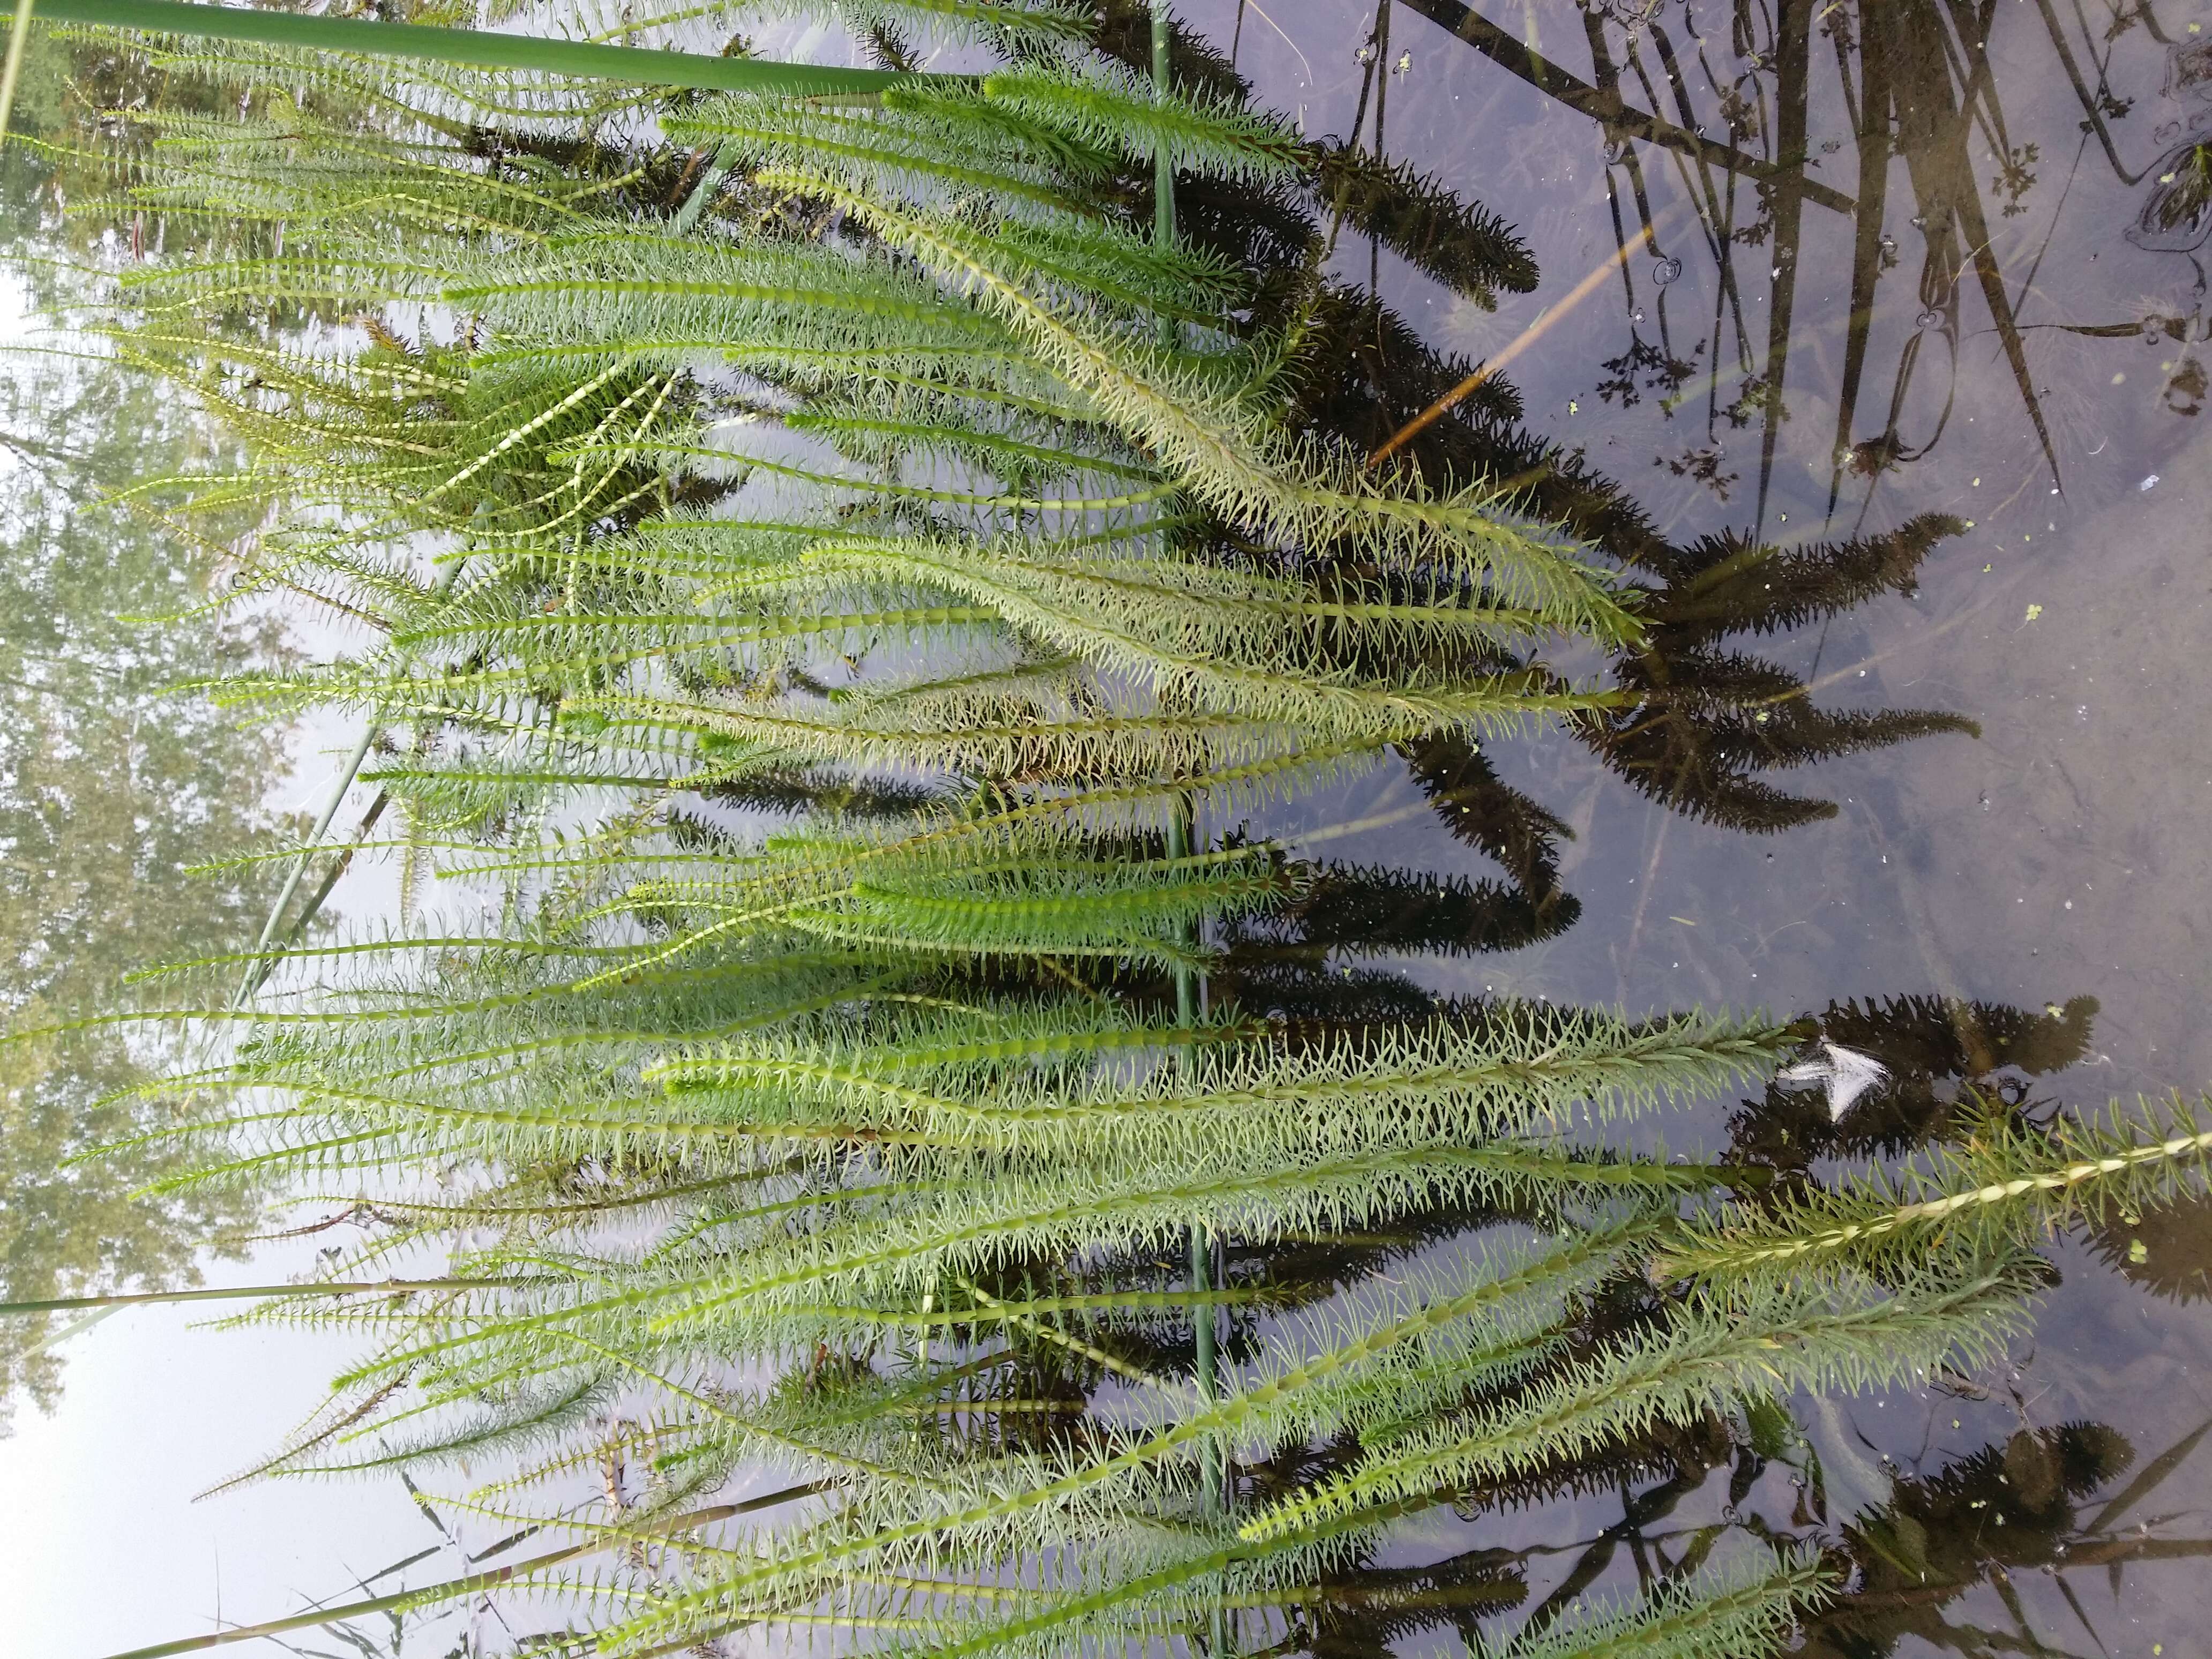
(1813, 272)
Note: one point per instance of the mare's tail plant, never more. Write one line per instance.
(819, 556)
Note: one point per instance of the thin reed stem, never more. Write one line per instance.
(638, 65)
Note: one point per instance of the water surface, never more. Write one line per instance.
(1895, 269)
(1871, 335)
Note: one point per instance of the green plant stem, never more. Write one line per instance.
(1180, 837)
(245, 1292)
(1179, 824)
(339, 866)
(1164, 213)
(640, 65)
(258, 970)
(1163, 205)
(456, 1588)
(19, 35)
(702, 197)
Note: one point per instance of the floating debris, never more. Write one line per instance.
(1845, 1074)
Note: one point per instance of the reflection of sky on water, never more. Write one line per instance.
(156, 1411)
(157, 1407)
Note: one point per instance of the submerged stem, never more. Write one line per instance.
(246, 1294)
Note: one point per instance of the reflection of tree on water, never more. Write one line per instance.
(109, 790)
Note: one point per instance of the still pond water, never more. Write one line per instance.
(1898, 269)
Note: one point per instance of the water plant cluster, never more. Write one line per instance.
(904, 1158)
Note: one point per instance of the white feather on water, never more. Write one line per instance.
(1845, 1074)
